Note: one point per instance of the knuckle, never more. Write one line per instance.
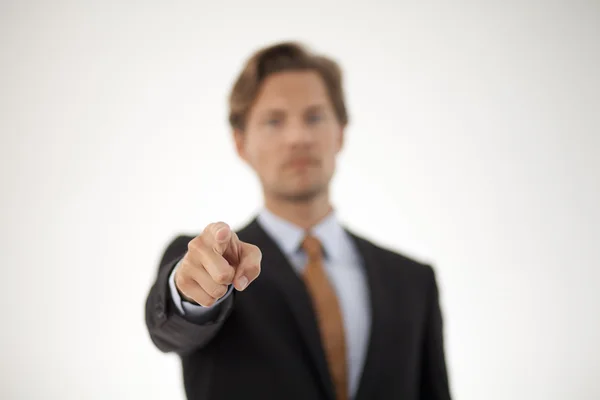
(182, 280)
(253, 270)
(255, 251)
(187, 266)
(198, 248)
(207, 302)
(195, 244)
(219, 292)
(224, 277)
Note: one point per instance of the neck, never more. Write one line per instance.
(304, 214)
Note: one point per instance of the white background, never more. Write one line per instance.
(474, 144)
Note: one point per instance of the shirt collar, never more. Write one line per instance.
(289, 236)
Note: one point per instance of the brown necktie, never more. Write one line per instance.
(329, 315)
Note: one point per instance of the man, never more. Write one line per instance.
(332, 315)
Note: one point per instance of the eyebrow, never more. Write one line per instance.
(315, 107)
(271, 113)
(280, 111)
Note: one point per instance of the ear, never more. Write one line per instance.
(240, 139)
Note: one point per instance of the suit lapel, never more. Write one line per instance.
(275, 266)
(380, 312)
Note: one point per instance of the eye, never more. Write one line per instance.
(274, 122)
(314, 118)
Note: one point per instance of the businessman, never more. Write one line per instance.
(294, 305)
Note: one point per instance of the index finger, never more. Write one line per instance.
(249, 266)
(224, 241)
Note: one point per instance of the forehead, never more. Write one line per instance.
(291, 89)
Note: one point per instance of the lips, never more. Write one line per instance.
(302, 162)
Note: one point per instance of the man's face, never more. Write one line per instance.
(292, 136)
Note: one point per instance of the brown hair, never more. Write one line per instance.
(286, 56)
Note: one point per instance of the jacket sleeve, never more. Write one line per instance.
(434, 375)
(169, 330)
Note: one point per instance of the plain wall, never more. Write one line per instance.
(473, 144)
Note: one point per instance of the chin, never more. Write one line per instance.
(301, 195)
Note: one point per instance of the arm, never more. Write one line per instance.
(168, 329)
(434, 376)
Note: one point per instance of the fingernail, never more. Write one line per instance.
(242, 282)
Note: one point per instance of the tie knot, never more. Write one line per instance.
(312, 246)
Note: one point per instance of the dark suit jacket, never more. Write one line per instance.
(264, 344)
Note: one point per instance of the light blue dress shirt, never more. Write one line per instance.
(344, 268)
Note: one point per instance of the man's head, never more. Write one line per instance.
(288, 114)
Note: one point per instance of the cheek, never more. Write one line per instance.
(331, 138)
(331, 146)
(262, 157)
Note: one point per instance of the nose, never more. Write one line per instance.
(298, 134)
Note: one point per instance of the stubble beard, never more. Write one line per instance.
(305, 196)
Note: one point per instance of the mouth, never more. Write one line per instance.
(302, 163)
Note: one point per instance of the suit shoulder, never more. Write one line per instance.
(401, 259)
(397, 260)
